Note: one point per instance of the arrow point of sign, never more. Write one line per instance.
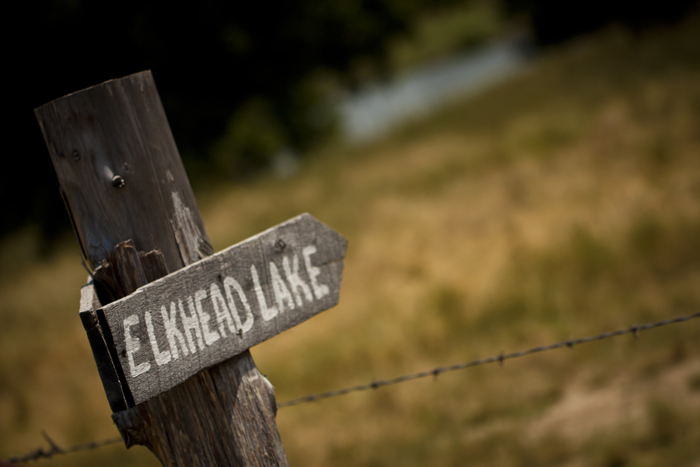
(333, 236)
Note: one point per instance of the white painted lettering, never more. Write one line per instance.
(161, 357)
(221, 310)
(172, 332)
(189, 324)
(320, 290)
(229, 284)
(282, 295)
(209, 336)
(267, 312)
(295, 282)
(133, 346)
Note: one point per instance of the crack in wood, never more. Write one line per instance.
(191, 243)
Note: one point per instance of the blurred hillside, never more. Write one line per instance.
(564, 202)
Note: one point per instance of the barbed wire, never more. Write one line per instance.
(54, 450)
(634, 329)
(434, 372)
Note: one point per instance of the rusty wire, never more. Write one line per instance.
(634, 329)
(54, 450)
(434, 372)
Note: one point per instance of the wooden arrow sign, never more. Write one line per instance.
(196, 317)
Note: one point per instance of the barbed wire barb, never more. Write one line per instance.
(54, 450)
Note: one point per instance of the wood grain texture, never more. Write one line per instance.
(216, 308)
(135, 228)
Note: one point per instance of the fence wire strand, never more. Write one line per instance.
(434, 372)
(634, 329)
(54, 450)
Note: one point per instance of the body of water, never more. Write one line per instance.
(379, 107)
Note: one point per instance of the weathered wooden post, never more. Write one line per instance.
(172, 356)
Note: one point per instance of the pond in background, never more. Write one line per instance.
(379, 107)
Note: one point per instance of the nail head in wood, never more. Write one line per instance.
(118, 181)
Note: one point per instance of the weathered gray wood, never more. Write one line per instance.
(220, 306)
(120, 132)
(105, 365)
(136, 220)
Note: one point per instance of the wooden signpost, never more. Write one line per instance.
(168, 322)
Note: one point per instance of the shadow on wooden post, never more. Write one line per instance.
(136, 219)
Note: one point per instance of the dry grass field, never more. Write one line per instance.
(562, 203)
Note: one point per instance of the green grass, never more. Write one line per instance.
(565, 202)
(446, 31)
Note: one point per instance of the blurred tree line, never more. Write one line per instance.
(251, 71)
(240, 81)
(554, 21)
